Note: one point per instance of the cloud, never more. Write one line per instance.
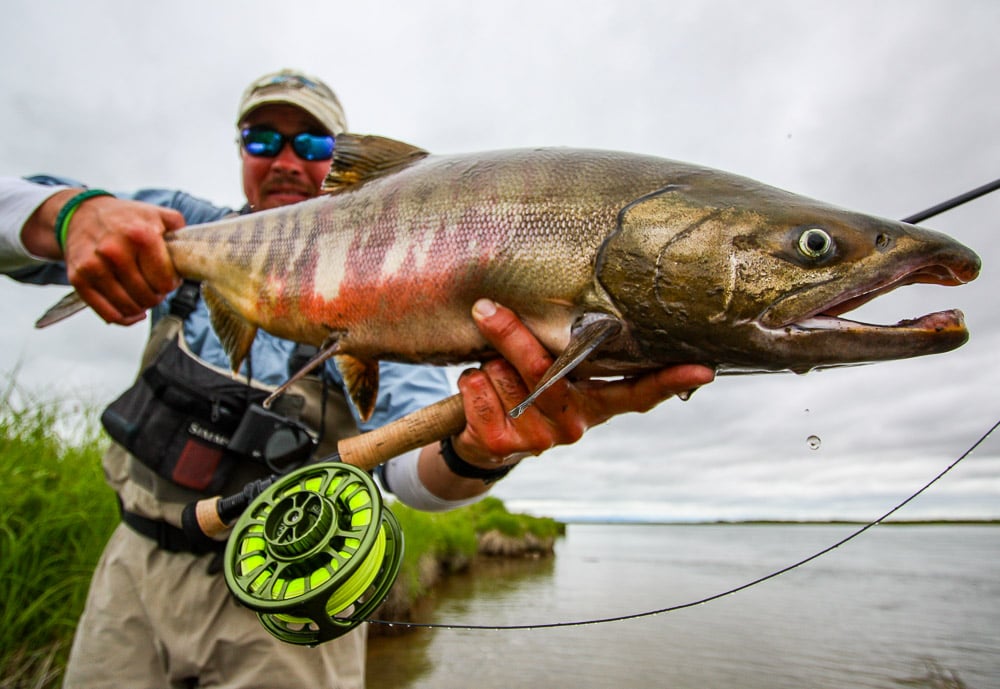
(883, 108)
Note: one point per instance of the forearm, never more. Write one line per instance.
(435, 475)
(23, 240)
(38, 234)
(422, 480)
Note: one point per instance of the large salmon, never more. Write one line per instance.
(619, 263)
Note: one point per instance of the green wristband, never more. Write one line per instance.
(67, 211)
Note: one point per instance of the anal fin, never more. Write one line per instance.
(361, 378)
(594, 329)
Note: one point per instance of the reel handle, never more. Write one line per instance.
(207, 518)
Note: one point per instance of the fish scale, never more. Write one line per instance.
(619, 263)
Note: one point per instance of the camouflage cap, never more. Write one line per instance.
(298, 89)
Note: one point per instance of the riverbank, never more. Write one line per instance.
(441, 544)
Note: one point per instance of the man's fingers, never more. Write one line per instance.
(118, 260)
(512, 339)
(644, 392)
(158, 266)
(125, 312)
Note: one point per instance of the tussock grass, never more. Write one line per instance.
(451, 538)
(56, 516)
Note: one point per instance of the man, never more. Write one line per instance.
(158, 612)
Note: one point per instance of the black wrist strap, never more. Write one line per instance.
(460, 467)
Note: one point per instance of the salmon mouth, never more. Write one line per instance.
(828, 316)
(938, 322)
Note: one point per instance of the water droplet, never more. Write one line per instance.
(686, 395)
(814, 442)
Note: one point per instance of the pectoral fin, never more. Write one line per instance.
(235, 333)
(329, 349)
(360, 376)
(593, 330)
(64, 308)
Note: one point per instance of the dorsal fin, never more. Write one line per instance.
(358, 158)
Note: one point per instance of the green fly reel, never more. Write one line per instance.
(315, 554)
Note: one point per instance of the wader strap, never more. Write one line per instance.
(186, 299)
(169, 537)
(183, 303)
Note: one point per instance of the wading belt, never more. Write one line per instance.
(168, 537)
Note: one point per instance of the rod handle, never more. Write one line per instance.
(419, 428)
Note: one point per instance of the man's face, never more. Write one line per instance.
(286, 178)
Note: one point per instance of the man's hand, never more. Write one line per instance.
(562, 413)
(115, 254)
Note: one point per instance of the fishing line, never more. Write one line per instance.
(714, 597)
(915, 218)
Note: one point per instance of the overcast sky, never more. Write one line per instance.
(886, 108)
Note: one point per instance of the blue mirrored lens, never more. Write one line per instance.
(313, 146)
(267, 143)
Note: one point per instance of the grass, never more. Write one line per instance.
(451, 537)
(57, 513)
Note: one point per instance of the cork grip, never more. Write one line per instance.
(422, 427)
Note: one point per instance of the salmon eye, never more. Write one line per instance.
(815, 243)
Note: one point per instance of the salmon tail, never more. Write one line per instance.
(61, 310)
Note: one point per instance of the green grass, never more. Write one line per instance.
(450, 537)
(56, 515)
(490, 513)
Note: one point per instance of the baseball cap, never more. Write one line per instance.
(298, 89)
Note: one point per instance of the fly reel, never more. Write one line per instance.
(315, 554)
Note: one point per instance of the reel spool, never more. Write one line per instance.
(315, 554)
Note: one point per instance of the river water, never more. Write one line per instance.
(900, 606)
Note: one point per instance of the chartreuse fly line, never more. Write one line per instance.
(315, 554)
(915, 218)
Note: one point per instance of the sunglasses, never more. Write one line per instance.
(263, 142)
